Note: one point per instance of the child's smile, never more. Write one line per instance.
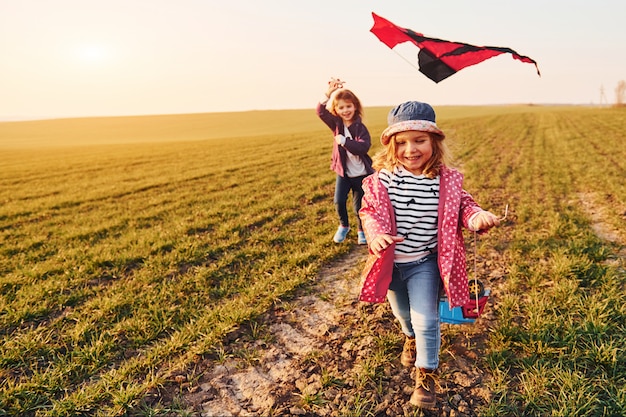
(413, 150)
(345, 109)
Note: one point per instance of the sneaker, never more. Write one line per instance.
(409, 354)
(340, 236)
(362, 240)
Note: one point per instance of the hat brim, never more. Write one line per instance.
(421, 125)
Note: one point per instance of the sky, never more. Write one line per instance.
(82, 58)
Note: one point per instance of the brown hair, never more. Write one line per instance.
(347, 95)
(386, 157)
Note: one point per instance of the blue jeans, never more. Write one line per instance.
(414, 299)
(343, 185)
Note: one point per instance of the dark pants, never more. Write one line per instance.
(343, 185)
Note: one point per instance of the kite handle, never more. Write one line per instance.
(506, 212)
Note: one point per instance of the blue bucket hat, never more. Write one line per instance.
(412, 115)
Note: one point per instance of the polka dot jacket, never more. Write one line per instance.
(456, 207)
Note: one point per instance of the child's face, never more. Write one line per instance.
(345, 109)
(413, 150)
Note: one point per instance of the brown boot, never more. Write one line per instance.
(424, 395)
(409, 355)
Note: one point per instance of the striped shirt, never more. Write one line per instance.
(415, 201)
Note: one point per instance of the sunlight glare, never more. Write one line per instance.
(92, 53)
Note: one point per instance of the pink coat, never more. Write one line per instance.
(456, 207)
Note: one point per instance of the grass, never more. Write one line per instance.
(131, 246)
(556, 349)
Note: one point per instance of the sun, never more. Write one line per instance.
(92, 53)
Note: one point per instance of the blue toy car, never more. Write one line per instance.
(469, 312)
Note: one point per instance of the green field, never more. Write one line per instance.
(130, 246)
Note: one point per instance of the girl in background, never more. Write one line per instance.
(342, 112)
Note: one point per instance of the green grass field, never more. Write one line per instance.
(132, 245)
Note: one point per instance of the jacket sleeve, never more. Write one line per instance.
(377, 272)
(469, 207)
(360, 142)
(374, 217)
(326, 116)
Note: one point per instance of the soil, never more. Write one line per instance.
(315, 355)
(323, 353)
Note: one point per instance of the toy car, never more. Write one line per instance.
(469, 312)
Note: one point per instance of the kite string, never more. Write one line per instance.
(476, 271)
(506, 212)
(409, 62)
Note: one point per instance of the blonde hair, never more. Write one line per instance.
(347, 95)
(386, 157)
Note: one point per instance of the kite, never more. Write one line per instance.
(438, 59)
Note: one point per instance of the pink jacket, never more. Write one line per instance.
(456, 207)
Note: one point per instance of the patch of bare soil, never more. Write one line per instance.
(596, 210)
(313, 356)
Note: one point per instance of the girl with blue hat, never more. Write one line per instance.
(413, 210)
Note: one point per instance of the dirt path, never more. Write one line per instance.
(325, 354)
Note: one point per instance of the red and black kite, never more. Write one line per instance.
(439, 59)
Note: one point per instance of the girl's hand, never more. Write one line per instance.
(334, 84)
(382, 242)
(485, 220)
